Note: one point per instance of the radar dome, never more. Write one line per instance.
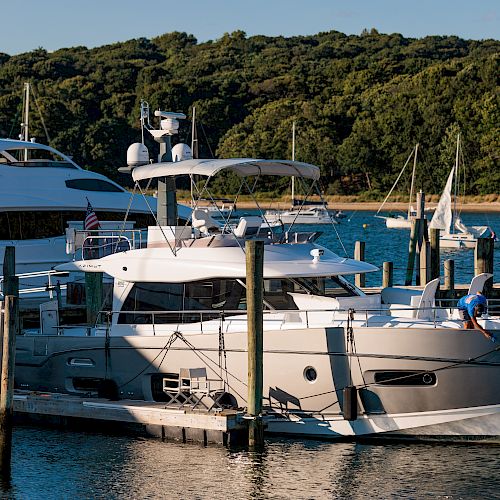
(181, 152)
(137, 155)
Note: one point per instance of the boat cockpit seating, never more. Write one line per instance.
(412, 303)
(248, 226)
(203, 221)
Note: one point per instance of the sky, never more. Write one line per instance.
(53, 24)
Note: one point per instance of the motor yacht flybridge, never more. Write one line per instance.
(178, 323)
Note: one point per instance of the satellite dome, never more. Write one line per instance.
(137, 155)
(181, 152)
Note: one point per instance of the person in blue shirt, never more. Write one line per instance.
(470, 308)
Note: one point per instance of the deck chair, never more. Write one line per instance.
(427, 300)
(478, 282)
(248, 226)
(203, 221)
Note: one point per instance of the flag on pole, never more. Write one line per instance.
(91, 220)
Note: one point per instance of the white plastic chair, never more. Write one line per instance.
(477, 283)
(248, 226)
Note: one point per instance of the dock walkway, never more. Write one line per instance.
(140, 417)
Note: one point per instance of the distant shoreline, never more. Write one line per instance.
(367, 205)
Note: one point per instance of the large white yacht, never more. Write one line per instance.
(179, 307)
(44, 192)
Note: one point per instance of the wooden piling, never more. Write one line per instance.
(254, 292)
(483, 260)
(10, 330)
(425, 263)
(387, 274)
(359, 254)
(93, 295)
(449, 276)
(412, 246)
(435, 253)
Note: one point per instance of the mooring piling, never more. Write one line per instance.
(387, 274)
(483, 259)
(10, 327)
(254, 292)
(359, 254)
(434, 234)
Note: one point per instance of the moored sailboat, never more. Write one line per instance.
(454, 233)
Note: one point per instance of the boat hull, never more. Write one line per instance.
(397, 223)
(461, 400)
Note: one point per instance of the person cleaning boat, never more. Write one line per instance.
(470, 307)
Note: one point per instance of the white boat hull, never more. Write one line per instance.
(468, 424)
(397, 223)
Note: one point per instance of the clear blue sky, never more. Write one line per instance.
(52, 24)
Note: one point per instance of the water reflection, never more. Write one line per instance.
(58, 464)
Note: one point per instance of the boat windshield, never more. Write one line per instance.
(33, 157)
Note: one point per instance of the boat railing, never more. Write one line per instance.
(98, 243)
(51, 286)
(374, 317)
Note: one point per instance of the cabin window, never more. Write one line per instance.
(36, 157)
(147, 302)
(159, 302)
(402, 378)
(332, 286)
(37, 224)
(93, 185)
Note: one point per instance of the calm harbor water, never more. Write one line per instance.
(59, 464)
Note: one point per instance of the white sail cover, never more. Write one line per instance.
(442, 216)
(242, 166)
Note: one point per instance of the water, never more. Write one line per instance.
(384, 244)
(59, 464)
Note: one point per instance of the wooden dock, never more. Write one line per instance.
(227, 427)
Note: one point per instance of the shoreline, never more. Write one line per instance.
(366, 206)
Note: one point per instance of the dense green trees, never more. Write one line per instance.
(360, 102)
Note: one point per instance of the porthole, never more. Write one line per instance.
(310, 374)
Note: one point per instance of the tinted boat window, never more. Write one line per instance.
(210, 296)
(93, 185)
(48, 224)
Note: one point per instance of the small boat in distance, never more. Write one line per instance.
(454, 233)
(301, 211)
(401, 221)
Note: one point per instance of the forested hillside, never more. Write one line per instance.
(360, 102)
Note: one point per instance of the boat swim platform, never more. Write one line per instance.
(132, 417)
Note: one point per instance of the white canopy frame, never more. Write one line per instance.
(243, 167)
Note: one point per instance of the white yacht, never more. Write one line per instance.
(43, 193)
(300, 215)
(179, 306)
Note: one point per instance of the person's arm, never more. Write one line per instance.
(477, 326)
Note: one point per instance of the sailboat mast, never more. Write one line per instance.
(293, 159)
(454, 214)
(25, 124)
(412, 180)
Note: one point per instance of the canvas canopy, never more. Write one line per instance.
(244, 167)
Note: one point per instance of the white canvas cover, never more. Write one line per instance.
(244, 167)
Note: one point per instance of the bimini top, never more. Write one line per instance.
(244, 167)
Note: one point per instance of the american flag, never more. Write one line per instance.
(91, 220)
